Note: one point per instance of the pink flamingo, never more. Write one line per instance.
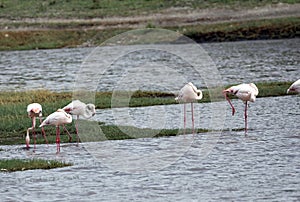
(60, 117)
(295, 87)
(79, 108)
(189, 94)
(245, 92)
(34, 110)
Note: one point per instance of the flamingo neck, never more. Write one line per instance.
(229, 101)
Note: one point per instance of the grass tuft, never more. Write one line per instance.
(11, 165)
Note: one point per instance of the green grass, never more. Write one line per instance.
(74, 35)
(245, 30)
(16, 9)
(52, 38)
(11, 165)
(14, 121)
(272, 89)
(24, 35)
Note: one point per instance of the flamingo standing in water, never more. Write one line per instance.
(189, 94)
(60, 117)
(79, 108)
(245, 92)
(295, 87)
(34, 110)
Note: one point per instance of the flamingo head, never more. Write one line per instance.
(232, 90)
(91, 109)
(199, 94)
(291, 90)
(35, 112)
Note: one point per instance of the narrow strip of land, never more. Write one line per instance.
(166, 18)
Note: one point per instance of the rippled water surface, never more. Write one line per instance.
(274, 60)
(222, 165)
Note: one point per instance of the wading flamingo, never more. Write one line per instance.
(60, 117)
(245, 92)
(34, 110)
(79, 108)
(189, 94)
(295, 87)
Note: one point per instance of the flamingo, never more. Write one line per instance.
(34, 110)
(79, 108)
(60, 117)
(295, 87)
(189, 94)
(245, 92)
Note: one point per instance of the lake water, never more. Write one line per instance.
(57, 70)
(216, 166)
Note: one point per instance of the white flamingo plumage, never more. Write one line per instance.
(79, 108)
(295, 87)
(245, 92)
(189, 94)
(60, 117)
(34, 110)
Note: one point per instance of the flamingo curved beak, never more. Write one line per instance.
(227, 98)
(290, 90)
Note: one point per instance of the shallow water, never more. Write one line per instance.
(215, 166)
(262, 166)
(246, 61)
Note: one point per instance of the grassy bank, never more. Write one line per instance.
(35, 24)
(246, 30)
(11, 165)
(76, 35)
(107, 8)
(53, 38)
(14, 120)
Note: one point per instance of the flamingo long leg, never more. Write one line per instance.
(57, 139)
(70, 137)
(193, 125)
(232, 107)
(33, 132)
(246, 116)
(76, 126)
(43, 132)
(184, 118)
